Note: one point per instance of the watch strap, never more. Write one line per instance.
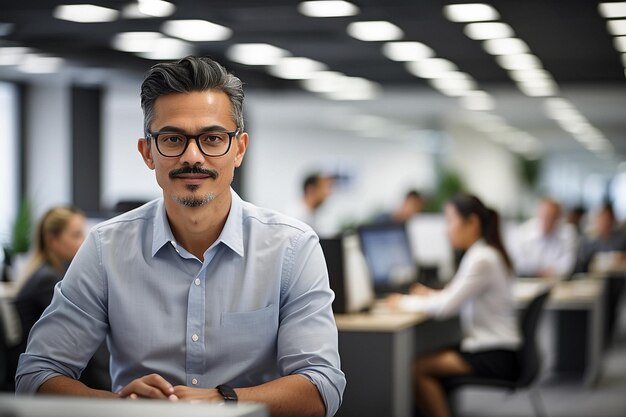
(228, 393)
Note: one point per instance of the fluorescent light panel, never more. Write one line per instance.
(136, 41)
(612, 10)
(488, 30)
(372, 31)
(40, 64)
(431, 67)
(620, 43)
(296, 68)
(13, 55)
(196, 30)
(327, 8)
(85, 13)
(167, 48)
(156, 8)
(472, 12)
(505, 46)
(477, 101)
(407, 51)
(355, 88)
(324, 82)
(617, 27)
(256, 53)
(518, 62)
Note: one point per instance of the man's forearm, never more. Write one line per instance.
(63, 385)
(293, 395)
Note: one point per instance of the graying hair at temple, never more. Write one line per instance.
(187, 75)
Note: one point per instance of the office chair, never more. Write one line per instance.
(530, 362)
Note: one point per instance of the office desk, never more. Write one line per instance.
(577, 313)
(377, 351)
(27, 406)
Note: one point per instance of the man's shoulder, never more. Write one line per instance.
(272, 219)
(136, 216)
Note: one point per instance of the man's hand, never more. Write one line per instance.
(420, 289)
(149, 386)
(185, 393)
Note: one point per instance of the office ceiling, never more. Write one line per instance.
(569, 37)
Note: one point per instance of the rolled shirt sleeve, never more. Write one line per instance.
(71, 328)
(307, 338)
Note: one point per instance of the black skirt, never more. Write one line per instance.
(497, 363)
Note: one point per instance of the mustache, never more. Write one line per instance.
(193, 170)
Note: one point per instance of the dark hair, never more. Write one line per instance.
(187, 75)
(608, 208)
(413, 194)
(311, 180)
(467, 205)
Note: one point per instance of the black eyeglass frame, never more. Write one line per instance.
(155, 136)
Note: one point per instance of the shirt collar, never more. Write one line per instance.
(231, 236)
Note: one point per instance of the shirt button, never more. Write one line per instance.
(197, 281)
(194, 381)
(194, 337)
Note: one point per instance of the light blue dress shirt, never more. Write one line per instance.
(256, 309)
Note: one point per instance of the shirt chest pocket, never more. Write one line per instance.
(262, 321)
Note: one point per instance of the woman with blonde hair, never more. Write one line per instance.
(59, 234)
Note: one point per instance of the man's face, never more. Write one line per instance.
(194, 179)
(548, 216)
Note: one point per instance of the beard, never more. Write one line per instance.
(194, 200)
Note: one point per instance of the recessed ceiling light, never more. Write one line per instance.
(518, 62)
(505, 46)
(529, 75)
(407, 51)
(372, 31)
(453, 86)
(168, 48)
(85, 13)
(488, 30)
(545, 87)
(430, 67)
(327, 8)
(40, 64)
(355, 88)
(136, 41)
(196, 30)
(13, 55)
(324, 82)
(612, 10)
(296, 68)
(617, 27)
(256, 53)
(156, 8)
(620, 43)
(477, 101)
(472, 12)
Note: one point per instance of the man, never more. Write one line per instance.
(608, 239)
(199, 289)
(413, 204)
(543, 246)
(316, 188)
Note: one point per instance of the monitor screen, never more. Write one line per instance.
(388, 255)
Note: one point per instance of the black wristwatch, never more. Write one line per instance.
(229, 394)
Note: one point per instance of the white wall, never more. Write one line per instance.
(9, 168)
(124, 174)
(488, 170)
(49, 150)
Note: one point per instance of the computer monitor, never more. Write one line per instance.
(388, 255)
(348, 274)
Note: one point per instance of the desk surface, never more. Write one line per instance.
(27, 406)
(378, 322)
(581, 292)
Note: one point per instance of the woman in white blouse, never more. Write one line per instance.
(481, 294)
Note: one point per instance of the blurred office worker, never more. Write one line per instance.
(412, 204)
(544, 246)
(481, 292)
(201, 296)
(316, 188)
(606, 249)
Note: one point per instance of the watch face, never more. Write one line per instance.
(228, 393)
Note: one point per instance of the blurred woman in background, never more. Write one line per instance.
(59, 234)
(481, 292)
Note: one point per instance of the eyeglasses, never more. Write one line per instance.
(172, 144)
